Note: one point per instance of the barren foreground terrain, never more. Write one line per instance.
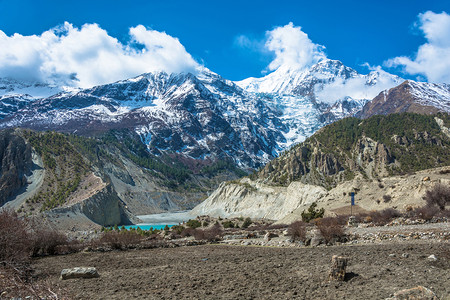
(376, 271)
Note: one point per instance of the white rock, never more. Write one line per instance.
(432, 257)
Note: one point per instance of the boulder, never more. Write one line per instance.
(79, 272)
(316, 239)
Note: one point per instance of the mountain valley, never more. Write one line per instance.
(164, 142)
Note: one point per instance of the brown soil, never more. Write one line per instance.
(376, 271)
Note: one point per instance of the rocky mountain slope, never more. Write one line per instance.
(15, 164)
(375, 147)
(106, 180)
(311, 98)
(201, 117)
(204, 116)
(410, 96)
(348, 155)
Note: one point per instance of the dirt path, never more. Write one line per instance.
(237, 272)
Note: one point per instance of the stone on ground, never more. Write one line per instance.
(79, 272)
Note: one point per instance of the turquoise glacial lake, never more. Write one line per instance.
(159, 221)
(148, 226)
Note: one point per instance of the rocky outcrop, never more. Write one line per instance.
(373, 148)
(248, 198)
(257, 200)
(103, 208)
(15, 164)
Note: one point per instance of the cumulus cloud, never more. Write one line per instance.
(292, 48)
(362, 87)
(432, 59)
(89, 56)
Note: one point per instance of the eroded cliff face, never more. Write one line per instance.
(285, 204)
(15, 164)
(103, 208)
(257, 200)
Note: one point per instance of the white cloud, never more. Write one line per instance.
(89, 56)
(363, 87)
(432, 59)
(292, 48)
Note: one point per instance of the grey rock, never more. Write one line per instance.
(79, 272)
(316, 240)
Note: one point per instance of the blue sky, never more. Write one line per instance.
(355, 32)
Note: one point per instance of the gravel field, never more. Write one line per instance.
(376, 271)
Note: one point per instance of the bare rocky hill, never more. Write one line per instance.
(388, 161)
(285, 204)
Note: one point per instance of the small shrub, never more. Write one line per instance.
(426, 212)
(380, 185)
(177, 228)
(194, 224)
(205, 224)
(383, 217)
(212, 234)
(188, 232)
(121, 240)
(15, 243)
(47, 241)
(277, 226)
(228, 224)
(297, 231)
(330, 229)
(387, 198)
(312, 213)
(439, 195)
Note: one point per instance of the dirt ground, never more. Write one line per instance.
(376, 271)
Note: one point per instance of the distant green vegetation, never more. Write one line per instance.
(421, 146)
(221, 166)
(137, 152)
(415, 142)
(65, 167)
(312, 213)
(193, 224)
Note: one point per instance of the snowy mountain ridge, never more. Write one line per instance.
(204, 116)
